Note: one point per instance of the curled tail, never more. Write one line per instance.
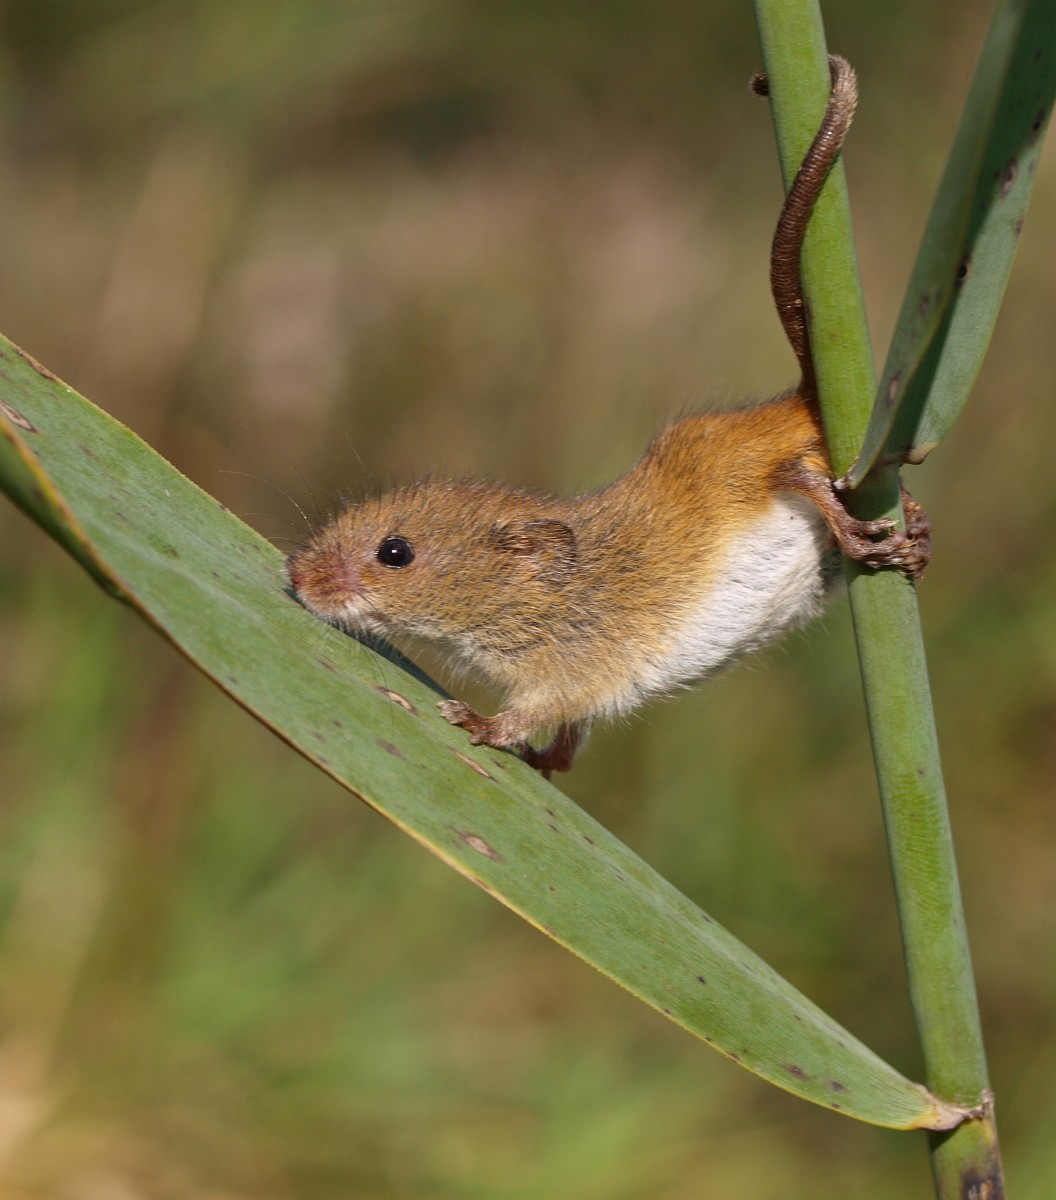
(787, 246)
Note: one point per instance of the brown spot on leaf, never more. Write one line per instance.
(837, 1086)
(963, 268)
(796, 1070)
(38, 367)
(16, 418)
(475, 842)
(396, 698)
(1008, 177)
(1035, 126)
(389, 748)
(892, 389)
(475, 766)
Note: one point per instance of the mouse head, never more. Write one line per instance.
(445, 561)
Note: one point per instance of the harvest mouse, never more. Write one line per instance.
(725, 534)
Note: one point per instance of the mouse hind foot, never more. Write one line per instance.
(874, 544)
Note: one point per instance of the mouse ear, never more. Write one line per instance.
(550, 544)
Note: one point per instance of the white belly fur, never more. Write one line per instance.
(771, 581)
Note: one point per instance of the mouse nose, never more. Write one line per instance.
(323, 579)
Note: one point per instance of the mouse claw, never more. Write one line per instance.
(883, 527)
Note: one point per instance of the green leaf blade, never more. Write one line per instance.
(216, 590)
(965, 257)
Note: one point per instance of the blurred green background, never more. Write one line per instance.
(306, 248)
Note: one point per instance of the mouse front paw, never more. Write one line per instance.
(466, 718)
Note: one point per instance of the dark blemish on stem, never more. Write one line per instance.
(988, 1186)
(1008, 178)
(893, 388)
(1035, 126)
(964, 267)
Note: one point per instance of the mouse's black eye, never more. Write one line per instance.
(394, 552)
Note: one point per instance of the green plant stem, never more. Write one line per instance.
(888, 633)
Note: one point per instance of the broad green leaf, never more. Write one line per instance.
(966, 254)
(216, 590)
